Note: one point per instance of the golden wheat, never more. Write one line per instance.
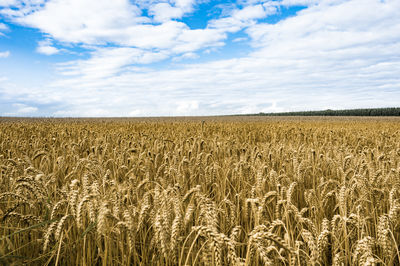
(220, 191)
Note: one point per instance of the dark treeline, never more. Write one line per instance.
(392, 111)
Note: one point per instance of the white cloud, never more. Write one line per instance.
(120, 23)
(81, 21)
(186, 107)
(186, 5)
(96, 22)
(5, 54)
(46, 47)
(341, 54)
(135, 113)
(47, 50)
(92, 112)
(192, 40)
(19, 8)
(266, 107)
(240, 39)
(328, 28)
(271, 7)
(107, 62)
(241, 18)
(164, 11)
(249, 13)
(186, 56)
(277, 3)
(326, 56)
(24, 109)
(301, 2)
(3, 26)
(5, 3)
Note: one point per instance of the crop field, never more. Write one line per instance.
(224, 191)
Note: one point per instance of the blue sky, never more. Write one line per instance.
(186, 57)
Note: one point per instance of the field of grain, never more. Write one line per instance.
(234, 191)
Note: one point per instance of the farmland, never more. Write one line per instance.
(200, 191)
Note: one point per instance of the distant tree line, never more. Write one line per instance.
(392, 111)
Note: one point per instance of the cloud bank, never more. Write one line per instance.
(330, 54)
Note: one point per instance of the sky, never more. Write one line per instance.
(102, 58)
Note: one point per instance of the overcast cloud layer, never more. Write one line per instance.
(147, 58)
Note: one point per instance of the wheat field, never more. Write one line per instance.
(228, 191)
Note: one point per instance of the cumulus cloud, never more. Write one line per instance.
(186, 56)
(301, 2)
(82, 21)
(346, 59)
(164, 11)
(46, 47)
(186, 107)
(6, 3)
(277, 3)
(241, 18)
(122, 23)
(47, 50)
(20, 8)
(3, 27)
(327, 28)
(119, 22)
(341, 54)
(108, 62)
(24, 109)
